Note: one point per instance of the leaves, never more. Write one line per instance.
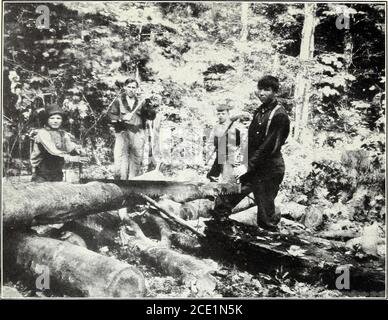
(327, 91)
(296, 251)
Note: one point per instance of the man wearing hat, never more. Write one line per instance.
(52, 148)
(225, 139)
(128, 116)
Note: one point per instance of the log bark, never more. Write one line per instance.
(171, 206)
(163, 213)
(343, 235)
(73, 270)
(302, 90)
(96, 230)
(9, 292)
(258, 250)
(202, 207)
(195, 209)
(244, 20)
(191, 271)
(158, 253)
(29, 204)
(55, 202)
(186, 242)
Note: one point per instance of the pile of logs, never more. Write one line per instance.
(90, 221)
(85, 210)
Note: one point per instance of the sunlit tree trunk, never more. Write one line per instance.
(244, 20)
(302, 90)
(348, 58)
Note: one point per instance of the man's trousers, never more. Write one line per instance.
(128, 154)
(264, 191)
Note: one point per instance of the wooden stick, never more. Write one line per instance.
(175, 218)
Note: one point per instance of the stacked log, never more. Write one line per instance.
(191, 271)
(86, 273)
(71, 269)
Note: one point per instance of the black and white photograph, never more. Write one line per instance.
(193, 150)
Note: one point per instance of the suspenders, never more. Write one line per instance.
(270, 118)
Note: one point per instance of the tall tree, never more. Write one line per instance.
(244, 20)
(302, 91)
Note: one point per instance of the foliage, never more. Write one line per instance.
(189, 57)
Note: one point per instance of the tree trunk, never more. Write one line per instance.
(244, 20)
(258, 250)
(348, 49)
(97, 230)
(302, 94)
(348, 59)
(26, 204)
(55, 202)
(201, 208)
(191, 271)
(194, 209)
(171, 206)
(71, 269)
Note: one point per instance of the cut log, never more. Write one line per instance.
(244, 204)
(9, 292)
(171, 206)
(73, 238)
(248, 216)
(186, 242)
(193, 272)
(162, 212)
(54, 202)
(197, 208)
(97, 230)
(164, 229)
(202, 207)
(343, 235)
(71, 269)
(30, 204)
(258, 250)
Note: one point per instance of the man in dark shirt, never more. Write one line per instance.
(267, 133)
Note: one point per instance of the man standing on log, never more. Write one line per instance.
(52, 148)
(128, 116)
(225, 138)
(267, 133)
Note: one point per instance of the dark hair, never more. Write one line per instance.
(131, 80)
(268, 82)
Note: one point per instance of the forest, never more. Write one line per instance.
(189, 57)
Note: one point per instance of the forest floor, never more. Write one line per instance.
(232, 282)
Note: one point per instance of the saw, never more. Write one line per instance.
(179, 191)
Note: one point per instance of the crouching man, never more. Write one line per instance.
(265, 168)
(52, 148)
